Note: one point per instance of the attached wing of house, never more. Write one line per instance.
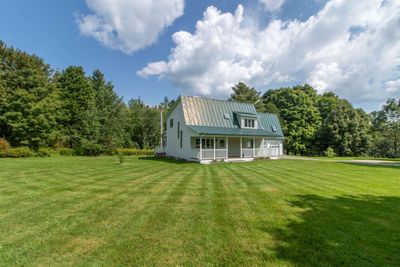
(203, 129)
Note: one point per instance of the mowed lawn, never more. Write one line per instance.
(94, 211)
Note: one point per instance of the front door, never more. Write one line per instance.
(234, 147)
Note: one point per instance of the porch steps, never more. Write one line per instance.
(238, 159)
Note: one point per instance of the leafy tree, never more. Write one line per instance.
(244, 93)
(29, 103)
(386, 127)
(145, 124)
(345, 129)
(299, 115)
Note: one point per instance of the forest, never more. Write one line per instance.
(42, 109)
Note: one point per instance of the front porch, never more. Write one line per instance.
(233, 148)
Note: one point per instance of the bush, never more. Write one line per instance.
(121, 158)
(66, 151)
(89, 148)
(134, 152)
(330, 153)
(20, 152)
(44, 152)
(4, 147)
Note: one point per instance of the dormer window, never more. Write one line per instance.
(249, 123)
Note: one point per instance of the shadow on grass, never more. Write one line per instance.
(345, 231)
(166, 160)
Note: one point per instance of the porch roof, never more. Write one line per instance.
(223, 131)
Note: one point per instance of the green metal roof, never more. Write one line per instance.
(208, 116)
(210, 130)
(246, 114)
(268, 120)
(210, 112)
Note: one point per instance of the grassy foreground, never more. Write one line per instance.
(93, 211)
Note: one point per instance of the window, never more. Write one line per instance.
(178, 129)
(227, 116)
(207, 143)
(171, 123)
(249, 143)
(249, 123)
(273, 128)
(181, 139)
(221, 143)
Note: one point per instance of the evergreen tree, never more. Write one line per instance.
(79, 115)
(111, 113)
(246, 94)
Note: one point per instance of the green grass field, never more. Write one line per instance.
(94, 211)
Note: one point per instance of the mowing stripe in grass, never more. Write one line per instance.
(94, 211)
(84, 209)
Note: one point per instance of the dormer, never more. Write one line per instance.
(247, 120)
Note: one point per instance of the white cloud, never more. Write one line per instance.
(324, 75)
(393, 86)
(129, 25)
(272, 5)
(350, 47)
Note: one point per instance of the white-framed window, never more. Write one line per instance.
(249, 143)
(249, 123)
(220, 143)
(207, 143)
(197, 143)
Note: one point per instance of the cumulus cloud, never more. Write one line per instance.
(272, 5)
(128, 25)
(393, 86)
(350, 47)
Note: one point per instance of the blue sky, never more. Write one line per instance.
(265, 43)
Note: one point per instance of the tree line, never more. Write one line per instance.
(313, 123)
(43, 108)
(40, 107)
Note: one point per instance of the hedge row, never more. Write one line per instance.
(23, 152)
(134, 152)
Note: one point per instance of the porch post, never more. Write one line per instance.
(254, 147)
(226, 144)
(214, 147)
(241, 147)
(201, 146)
(263, 145)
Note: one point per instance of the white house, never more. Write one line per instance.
(203, 130)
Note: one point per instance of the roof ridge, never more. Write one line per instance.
(214, 99)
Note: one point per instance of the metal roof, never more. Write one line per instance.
(207, 116)
(210, 112)
(210, 130)
(267, 120)
(246, 114)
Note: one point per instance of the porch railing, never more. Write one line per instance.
(247, 152)
(209, 153)
(260, 152)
